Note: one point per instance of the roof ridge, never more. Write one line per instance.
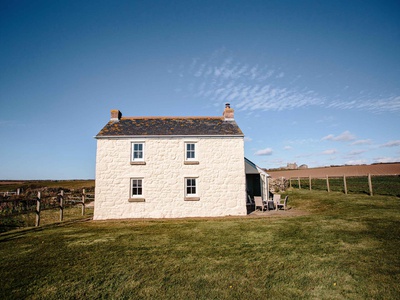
(165, 117)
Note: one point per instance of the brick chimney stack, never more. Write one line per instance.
(228, 113)
(115, 115)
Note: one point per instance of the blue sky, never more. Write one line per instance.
(311, 82)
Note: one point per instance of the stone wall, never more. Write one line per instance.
(220, 175)
(278, 185)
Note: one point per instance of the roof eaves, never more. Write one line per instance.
(165, 136)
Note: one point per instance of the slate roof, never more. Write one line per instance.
(170, 126)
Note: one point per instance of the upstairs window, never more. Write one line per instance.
(138, 152)
(191, 153)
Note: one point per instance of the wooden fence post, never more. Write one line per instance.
(298, 179)
(37, 223)
(290, 182)
(83, 202)
(345, 184)
(309, 179)
(327, 183)
(61, 205)
(370, 185)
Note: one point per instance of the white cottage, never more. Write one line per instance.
(170, 167)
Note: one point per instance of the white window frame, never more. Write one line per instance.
(140, 183)
(192, 196)
(191, 160)
(138, 160)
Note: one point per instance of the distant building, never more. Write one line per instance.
(291, 166)
(303, 166)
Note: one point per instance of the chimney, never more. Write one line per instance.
(228, 113)
(115, 115)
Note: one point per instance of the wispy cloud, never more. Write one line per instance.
(266, 151)
(357, 152)
(343, 137)
(329, 152)
(247, 139)
(357, 162)
(326, 119)
(287, 148)
(391, 144)
(386, 159)
(221, 77)
(362, 142)
(387, 104)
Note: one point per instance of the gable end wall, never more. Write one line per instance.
(220, 173)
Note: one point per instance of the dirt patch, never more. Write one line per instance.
(279, 213)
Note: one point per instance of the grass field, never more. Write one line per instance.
(340, 247)
(9, 185)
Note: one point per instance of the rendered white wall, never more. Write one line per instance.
(220, 173)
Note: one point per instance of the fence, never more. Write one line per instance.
(369, 184)
(13, 204)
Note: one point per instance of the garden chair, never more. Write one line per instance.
(276, 199)
(284, 204)
(259, 202)
(249, 201)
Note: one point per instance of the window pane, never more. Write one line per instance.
(191, 186)
(137, 152)
(190, 151)
(136, 187)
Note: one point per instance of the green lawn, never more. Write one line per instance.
(344, 247)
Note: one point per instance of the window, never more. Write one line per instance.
(191, 189)
(137, 187)
(138, 153)
(136, 194)
(191, 186)
(191, 153)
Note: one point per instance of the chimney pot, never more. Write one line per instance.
(115, 115)
(228, 113)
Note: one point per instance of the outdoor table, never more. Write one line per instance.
(270, 203)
